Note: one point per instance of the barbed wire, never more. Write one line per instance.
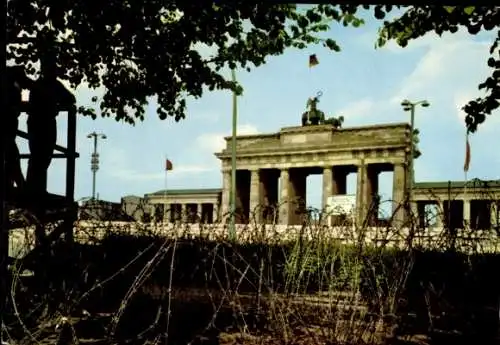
(346, 262)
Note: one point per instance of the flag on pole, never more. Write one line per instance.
(168, 165)
(467, 154)
(313, 60)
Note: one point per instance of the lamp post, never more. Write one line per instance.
(232, 228)
(94, 161)
(410, 106)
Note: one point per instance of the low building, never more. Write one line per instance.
(448, 204)
(187, 205)
(454, 203)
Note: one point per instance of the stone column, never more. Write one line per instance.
(166, 212)
(398, 194)
(183, 213)
(328, 190)
(255, 197)
(361, 186)
(494, 214)
(226, 188)
(466, 211)
(327, 185)
(440, 215)
(215, 212)
(199, 213)
(284, 197)
(414, 212)
(151, 210)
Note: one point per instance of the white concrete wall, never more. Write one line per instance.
(433, 238)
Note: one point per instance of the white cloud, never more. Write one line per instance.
(214, 142)
(357, 109)
(448, 73)
(247, 129)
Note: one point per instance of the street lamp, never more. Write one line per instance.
(410, 106)
(232, 202)
(94, 161)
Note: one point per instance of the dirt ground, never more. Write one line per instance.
(305, 339)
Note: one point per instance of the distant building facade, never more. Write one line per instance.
(437, 204)
(456, 203)
(185, 205)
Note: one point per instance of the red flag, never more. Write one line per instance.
(467, 154)
(168, 165)
(313, 60)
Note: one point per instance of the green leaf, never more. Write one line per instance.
(469, 10)
(331, 44)
(357, 22)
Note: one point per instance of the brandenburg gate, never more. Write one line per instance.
(321, 148)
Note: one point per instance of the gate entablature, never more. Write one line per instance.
(308, 145)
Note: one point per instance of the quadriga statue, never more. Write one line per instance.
(336, 122)
(313, 116)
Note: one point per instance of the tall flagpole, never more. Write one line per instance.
(165, 190)
(466, 164)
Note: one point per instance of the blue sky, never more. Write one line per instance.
(364, 84)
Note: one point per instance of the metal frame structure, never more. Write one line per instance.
(69, 210)
(69, 153)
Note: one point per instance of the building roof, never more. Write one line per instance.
(131, 197)
(458, 184)
(419, 185)
(186, 191)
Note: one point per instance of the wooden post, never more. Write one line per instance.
(70, 173)
(71, 155)
(4, 216)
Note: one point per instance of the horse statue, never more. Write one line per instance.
(313, 116)
(336, 122)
